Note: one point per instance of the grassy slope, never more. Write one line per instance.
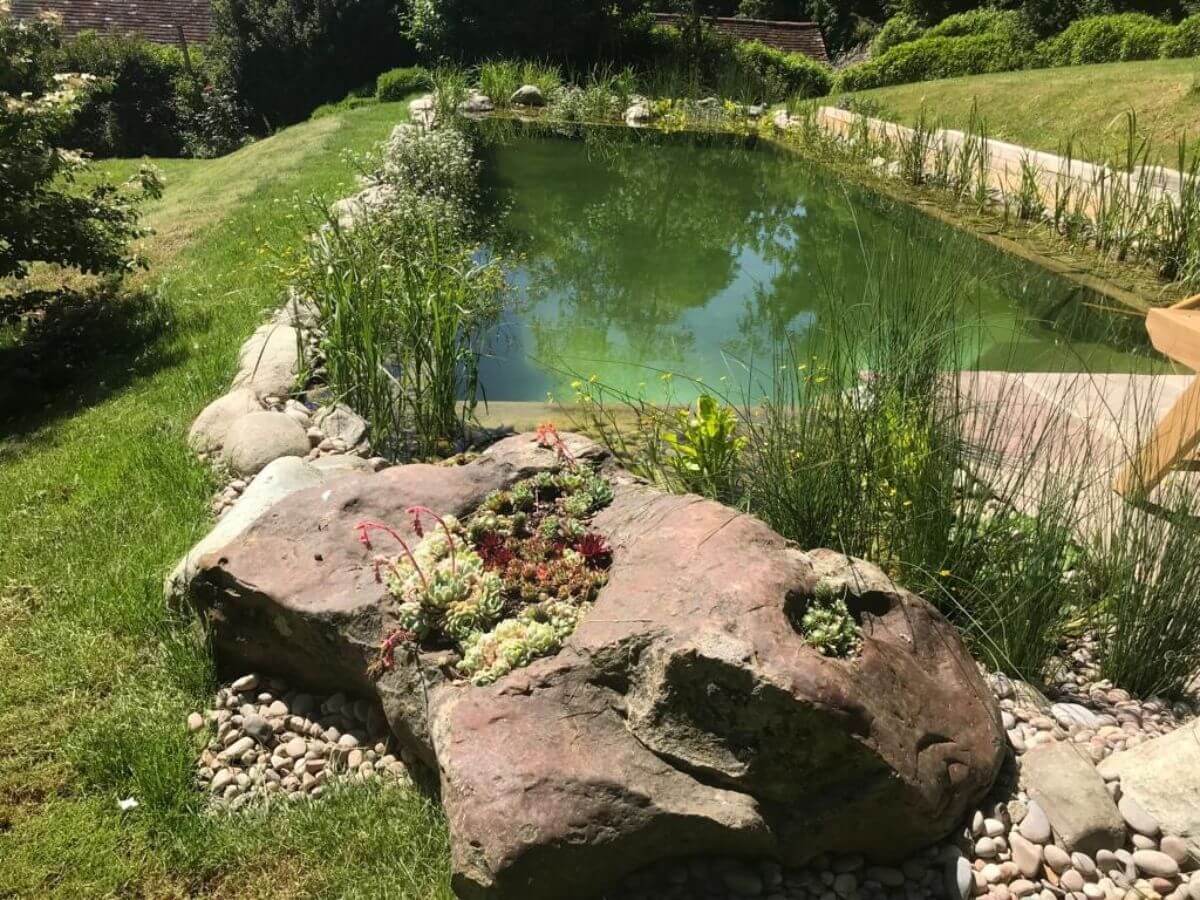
(99, 497)
(1047, 107)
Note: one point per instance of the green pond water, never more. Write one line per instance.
(634, 255)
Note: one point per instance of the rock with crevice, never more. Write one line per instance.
(686, 715)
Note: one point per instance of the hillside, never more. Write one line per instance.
(1046, 108)
(100, 497)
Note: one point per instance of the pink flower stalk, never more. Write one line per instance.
(415, 513)
(547, 436)
(364, 537)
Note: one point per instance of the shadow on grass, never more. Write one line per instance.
(63, 351)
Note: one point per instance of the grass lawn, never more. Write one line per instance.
(1047, 107)
(99, 496)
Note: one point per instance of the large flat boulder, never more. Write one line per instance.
(686, 714)
(279, 479)
(1067, 787)
(1163, 777)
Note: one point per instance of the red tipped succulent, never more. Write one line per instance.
(594, 550)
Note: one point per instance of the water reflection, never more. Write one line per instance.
(698, 255)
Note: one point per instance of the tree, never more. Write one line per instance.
(286, 57)
(44, 216)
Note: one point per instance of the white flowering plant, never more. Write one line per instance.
(44, 216)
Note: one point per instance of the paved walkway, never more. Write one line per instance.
(1071, 425)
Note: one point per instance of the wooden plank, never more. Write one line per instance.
(1176, 334)
(1174, 439)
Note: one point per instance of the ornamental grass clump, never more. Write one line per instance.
(506, 587)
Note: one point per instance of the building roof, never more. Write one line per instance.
(794, 37)
(156, 20)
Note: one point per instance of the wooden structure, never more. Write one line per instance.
(791, 37)
(1174, 332)
(156, 20)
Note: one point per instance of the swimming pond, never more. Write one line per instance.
(634, 255)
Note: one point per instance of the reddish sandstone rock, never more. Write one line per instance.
(685, 715)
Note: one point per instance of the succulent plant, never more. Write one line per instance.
(509, 586)
(511, 644)
(828, 626)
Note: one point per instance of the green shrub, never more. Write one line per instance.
(133, 110)
(1102, 39)
(1184, 39)
(286, 58)
(45, 217)
(782, 75)
(934, 57)
(396, 84)
(899, 29)
(978, 21)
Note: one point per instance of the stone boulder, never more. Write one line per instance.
(350, 210)
(528, 95)
(259, 438)
(340, 422)
(638, 115)
(208, 432)
(685, 715)
(423, 111)
(1163, 777)
(476, 104)
(269, 361)
(1065, 784)
(280, 478)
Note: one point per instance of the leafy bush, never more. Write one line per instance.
(581, 31)
(978, 21)
(285, 58)
(935, 57)
(704, 448)
(1101, 39)
(899, 29)
(782, 75)
(1184, 39)
(133, 109)
(396, 84)
(43, 217)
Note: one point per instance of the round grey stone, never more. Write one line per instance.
(1155, 863)
(259, 438)
(1137, 818)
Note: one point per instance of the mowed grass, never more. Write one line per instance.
(99, 496)
(1046, 108)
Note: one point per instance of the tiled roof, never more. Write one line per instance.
(154, 19)
(794, 37)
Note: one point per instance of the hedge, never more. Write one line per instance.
(796, 75)
(1102, 39)
(899, 29)
(934, 57)
(1184, 39)
(396, 84)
